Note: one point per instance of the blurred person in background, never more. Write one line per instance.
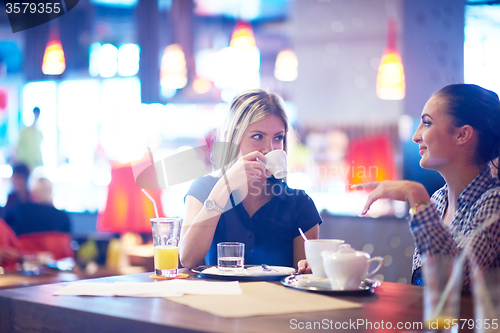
(41, 191)
(39, 214)
(28, 145)
(39, 226)
(20, 193)
(263, 212)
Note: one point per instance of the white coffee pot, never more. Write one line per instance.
(346, 267)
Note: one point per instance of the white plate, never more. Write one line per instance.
(250, 273)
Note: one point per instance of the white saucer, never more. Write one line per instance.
(309, 282)
(312, 281)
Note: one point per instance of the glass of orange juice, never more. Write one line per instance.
(166, 234)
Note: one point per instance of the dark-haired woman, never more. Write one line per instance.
(459, 136)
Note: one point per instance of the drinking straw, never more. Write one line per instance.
(455, 273)
(303, 235)
(153, 201)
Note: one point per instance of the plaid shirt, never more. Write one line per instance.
(476, 204)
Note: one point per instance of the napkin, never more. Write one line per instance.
(264, 298)
(86, 289)
(172, 288)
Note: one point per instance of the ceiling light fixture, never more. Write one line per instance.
(391, 77)
(286, 67)
(54, 62)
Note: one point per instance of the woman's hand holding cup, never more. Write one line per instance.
(246, 169)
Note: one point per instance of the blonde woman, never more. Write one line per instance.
(246, 203)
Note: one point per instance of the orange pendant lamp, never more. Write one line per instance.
(173, 70)
(286, 67)
(242, 37)
(53, 58)
(391, 76)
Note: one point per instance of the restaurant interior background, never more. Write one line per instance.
(159, 74)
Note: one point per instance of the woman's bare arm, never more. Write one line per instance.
(298, 244)
(199, 224)
(199, 227)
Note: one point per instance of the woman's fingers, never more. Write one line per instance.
(249, 165)
(253, 156)
(401, 190)
(365, 186)
(373, 195)
(302, 266)
(255, 169)
(368, 204)
(252, 166)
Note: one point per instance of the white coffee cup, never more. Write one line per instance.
(314, 247)
(276, 163)
(346, 268)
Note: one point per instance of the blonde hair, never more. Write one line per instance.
(248, 108)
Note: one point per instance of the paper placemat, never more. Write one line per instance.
(170, 288)
(263, 298)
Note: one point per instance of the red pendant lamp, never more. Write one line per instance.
(53, 58)
(391, 76)
(127, 208)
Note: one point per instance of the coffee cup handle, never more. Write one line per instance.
(380, 261)
(345, 248)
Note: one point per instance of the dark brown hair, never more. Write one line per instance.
(473, 105)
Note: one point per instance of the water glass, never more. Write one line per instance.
(230, 257)
(442, 289)
(486, 294)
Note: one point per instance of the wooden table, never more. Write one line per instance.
(55, 276)
(16, 280)
(35, 309)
